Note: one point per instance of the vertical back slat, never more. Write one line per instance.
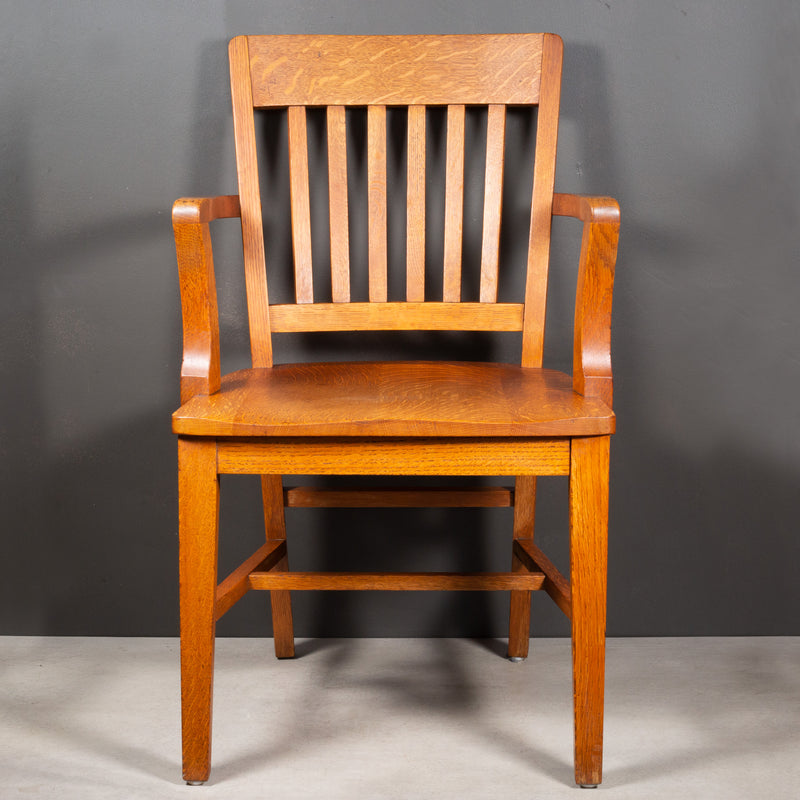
(376, 177)
(250, 202)
(415, 220)
(301, 208)
(337, 197)
(454, 204)
(542, 203)
(492, 202)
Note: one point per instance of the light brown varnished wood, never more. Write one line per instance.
(454, 204)
(395, 70)
(520, 602)
(198, 507)
(339, 214)
(194, 210)
(542, 203)
(376, 195)
(355, 456)
(275, 529)
(383, 316)
(592, 348)
(588, 521)
(301, 208)
(398, 581)
(424, 497)
(237, 584)
(415, 207)
(412, 398)
(404, 418)
(586, 208)
(250, 200)
(492, 202)
(555, 584)
(200, 367)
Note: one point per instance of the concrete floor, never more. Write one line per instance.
(398, 718)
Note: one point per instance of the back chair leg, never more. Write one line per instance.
(588, 517)
(520, 615)
(198, 492)
(281, 600)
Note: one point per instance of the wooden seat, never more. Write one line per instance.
(399, 418)
(420, 398)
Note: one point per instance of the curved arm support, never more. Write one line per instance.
(200, 369)
(591, 374)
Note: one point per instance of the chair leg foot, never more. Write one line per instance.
(520, 607)
(195, 783)
(280, 601)
(516, 659)
(589, 785)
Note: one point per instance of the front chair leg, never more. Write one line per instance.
(588, 516)
(198, 502)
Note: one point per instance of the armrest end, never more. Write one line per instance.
(586, 208)
(592, 347)
(200, 370)
(196, 210)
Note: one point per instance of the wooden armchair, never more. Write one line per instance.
(395, 418)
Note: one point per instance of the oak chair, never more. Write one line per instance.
(395, 418)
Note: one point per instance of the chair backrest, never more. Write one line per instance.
(376, 72)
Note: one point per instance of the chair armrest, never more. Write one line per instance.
(200, 368)
(591, 373)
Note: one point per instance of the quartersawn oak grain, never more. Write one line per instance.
(404, 418)
(394, 399)
(394, 70)
(353, 455)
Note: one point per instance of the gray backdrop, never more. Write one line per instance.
(688, 113)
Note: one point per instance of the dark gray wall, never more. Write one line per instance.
(688, 113)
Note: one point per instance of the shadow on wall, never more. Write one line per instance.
(705, 550)
(89, 519)
(705, 464)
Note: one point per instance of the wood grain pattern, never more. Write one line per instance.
(395, 70)
(355, 456)
(588, 515)
(454, 204)
(524, 506)
(419, 398)
(384, 316)
(197, 210)
(250, 200)
(415, 206)
(519, 624)
(424, 497)
(492, 202)
(275, 529)
(404, 418)
(398, 581)
(337, 196)
(198, 513)
(542, 203)
(586, 208)
(300, 203)
(592, 343)
(237, 584)
(555, 584)
(200, 366)
(376, 178)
